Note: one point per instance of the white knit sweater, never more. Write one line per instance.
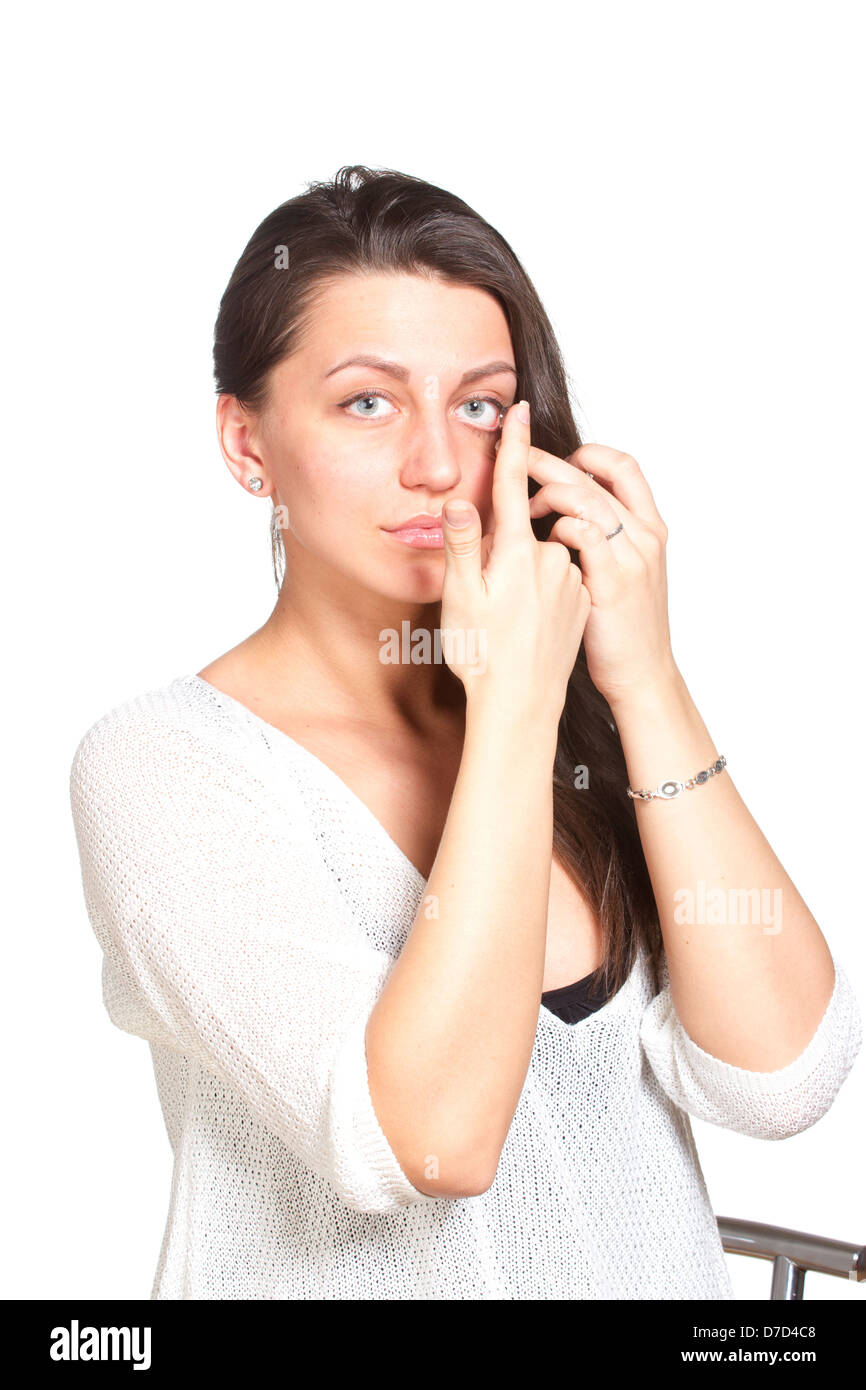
(249, 907)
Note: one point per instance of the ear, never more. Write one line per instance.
(236, 428)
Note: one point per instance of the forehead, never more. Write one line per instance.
(426, 325)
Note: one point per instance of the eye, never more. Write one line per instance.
(492, 418)
(367, 398)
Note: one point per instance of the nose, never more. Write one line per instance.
(433, 451)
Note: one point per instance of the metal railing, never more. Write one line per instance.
(793, 1254)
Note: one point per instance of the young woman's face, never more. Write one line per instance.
(355, 450)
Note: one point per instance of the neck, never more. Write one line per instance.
(320, 651)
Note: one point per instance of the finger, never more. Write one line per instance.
(577, 497)
(511, 480)
(599, 563)
(580, 498)
(462, 544)
(623, 476)
(591, 498)
(547, 468)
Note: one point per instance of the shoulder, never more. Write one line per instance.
(174, 771)
(171, 732)
(147, 714)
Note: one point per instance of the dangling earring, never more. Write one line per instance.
(254, 484)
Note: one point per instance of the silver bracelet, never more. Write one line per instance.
(668, 790)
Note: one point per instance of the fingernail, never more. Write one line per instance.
(523, 412)
(457, 514)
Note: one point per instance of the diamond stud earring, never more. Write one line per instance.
(254, 484)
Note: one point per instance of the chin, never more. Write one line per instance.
(415, 583)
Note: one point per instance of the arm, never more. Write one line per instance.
(450, 1038)
(753, 992)
(750, 992)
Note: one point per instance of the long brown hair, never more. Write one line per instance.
(367, 220)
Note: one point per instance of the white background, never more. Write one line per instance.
(683, 184)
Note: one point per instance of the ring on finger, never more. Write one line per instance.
(615, 532)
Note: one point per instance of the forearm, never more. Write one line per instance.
(450, 1039)
(750, 971)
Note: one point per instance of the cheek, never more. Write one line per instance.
(326, 483)
(477, 479)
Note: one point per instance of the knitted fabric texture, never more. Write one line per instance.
(249, 907)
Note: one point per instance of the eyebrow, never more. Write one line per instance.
(381, 364)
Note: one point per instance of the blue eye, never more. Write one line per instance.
(367, 396)
(494, 416)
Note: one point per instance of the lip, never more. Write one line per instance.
(423, 521)
(423, 532)
(427, 537)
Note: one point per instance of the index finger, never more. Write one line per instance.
(511, 479)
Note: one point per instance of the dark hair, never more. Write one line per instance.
(369, 221)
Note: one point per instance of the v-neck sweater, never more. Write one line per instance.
(249, 907)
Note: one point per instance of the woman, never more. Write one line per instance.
(407, 937)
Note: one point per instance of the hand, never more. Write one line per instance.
(525, 596)
(627, 637)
